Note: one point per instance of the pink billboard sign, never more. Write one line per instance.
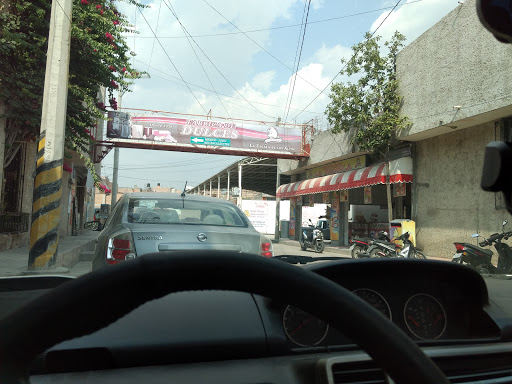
(227, 135)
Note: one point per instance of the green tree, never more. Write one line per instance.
(369, 106)
(99, 58)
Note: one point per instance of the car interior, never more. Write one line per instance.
(258, 320)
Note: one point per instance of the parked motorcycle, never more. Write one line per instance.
(408, 249)
(480, 259)
(380, 248)
(360, 245)
(312, 237)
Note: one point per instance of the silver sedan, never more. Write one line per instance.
(148, 222)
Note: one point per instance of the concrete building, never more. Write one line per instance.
(456, 80)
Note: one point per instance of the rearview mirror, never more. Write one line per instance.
(93, 226)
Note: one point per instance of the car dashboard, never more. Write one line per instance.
(226, 336)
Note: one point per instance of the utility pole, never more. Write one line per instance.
(115, 173)
(46, 208)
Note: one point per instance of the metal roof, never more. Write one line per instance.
(258, 174)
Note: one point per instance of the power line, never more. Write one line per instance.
(209, 90)
(218, 70)
(296, 54)
(166, 54)
(334, 78)
(260, 46)
(279, 27)
(298, 63)
(157, 21)
(187, 34)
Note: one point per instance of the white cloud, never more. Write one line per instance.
(413, 18)
(263, 80)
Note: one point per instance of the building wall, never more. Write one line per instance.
(327, 147)
(457, 62)
(450, 203)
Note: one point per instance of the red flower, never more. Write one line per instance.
(113, 83)
(101, 13)
(115, 22)
(112, 68)
(84, 2)
(98, 6)
(101, 106)
(95, 50)
(123, 70)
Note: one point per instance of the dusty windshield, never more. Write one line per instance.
(338, 129)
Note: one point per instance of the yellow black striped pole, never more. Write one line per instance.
(44, 232)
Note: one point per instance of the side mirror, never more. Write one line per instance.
(504, 223)
(475, 235)
(93, 226)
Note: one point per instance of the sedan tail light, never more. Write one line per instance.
(266, 249)
(120, 248)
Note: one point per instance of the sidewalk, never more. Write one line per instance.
(14, 262)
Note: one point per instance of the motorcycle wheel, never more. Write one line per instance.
(419, 255)
(482, 269)
(319, 246)
(302, 245)
(355, 251)
(375, 253)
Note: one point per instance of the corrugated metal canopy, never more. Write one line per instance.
(258, 174)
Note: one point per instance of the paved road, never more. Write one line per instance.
(284, 248)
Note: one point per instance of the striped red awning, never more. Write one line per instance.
(400, 172)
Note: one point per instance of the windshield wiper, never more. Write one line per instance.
(293, 259)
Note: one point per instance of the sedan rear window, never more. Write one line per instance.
(171, 211)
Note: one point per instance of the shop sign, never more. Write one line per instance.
(399, 189)
(335, 221)
(344, 195)
(367, 195)
(292, 217)
(338, 167)
(335, 200)
(326, 199)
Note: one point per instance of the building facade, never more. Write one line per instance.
(456, 81)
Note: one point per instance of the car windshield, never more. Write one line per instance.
(366, 142)
(178, 211)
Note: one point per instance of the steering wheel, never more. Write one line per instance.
(78, 307)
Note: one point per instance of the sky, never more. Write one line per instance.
(236, 58)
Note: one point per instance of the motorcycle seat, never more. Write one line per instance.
(384, 242)
(488, 252)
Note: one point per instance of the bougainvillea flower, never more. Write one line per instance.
(112, 68)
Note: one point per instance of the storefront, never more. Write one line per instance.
(357, 196)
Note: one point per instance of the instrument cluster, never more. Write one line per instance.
(421, 315)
